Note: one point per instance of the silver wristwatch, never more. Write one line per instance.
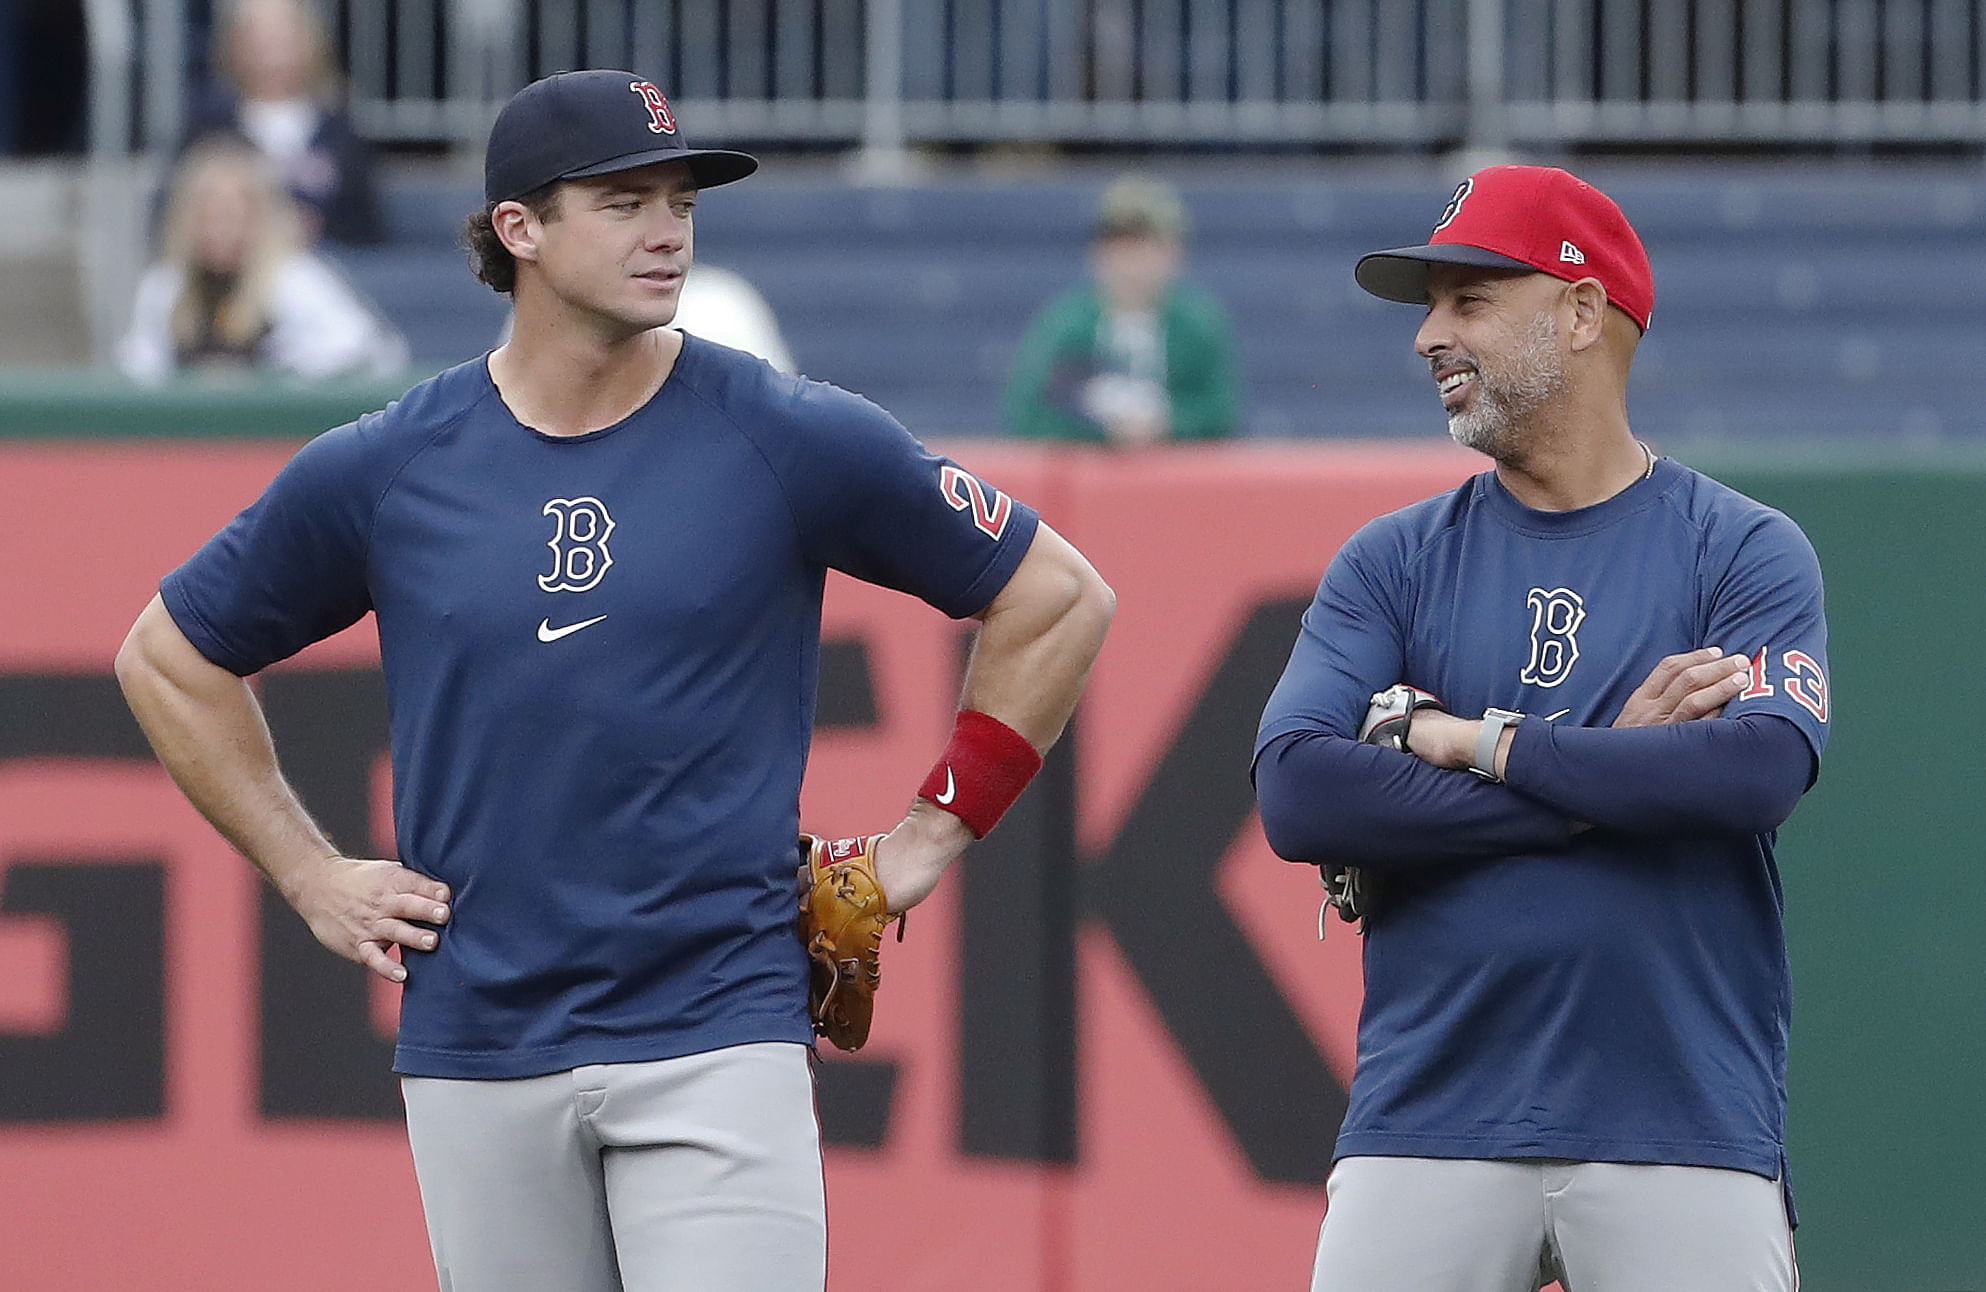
(1495, 721)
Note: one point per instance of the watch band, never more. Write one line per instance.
(1495, 721)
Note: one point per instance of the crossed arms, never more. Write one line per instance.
(1669, 764)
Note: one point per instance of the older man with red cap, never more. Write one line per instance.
(1572, 1054)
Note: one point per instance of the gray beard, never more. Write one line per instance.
(1507, 397)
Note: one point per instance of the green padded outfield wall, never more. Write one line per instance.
(1885, 873)
(73, 404)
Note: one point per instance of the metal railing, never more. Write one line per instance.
(136, 45)
(892, 74)
(1763, 71)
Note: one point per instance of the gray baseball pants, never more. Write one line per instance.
(1415, 1224)
(698, 1174)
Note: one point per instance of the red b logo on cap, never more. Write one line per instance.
(659, 118)
(1454, 207)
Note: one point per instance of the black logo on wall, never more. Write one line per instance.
(321, 1057)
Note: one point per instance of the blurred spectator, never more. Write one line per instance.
(721, 305)
(1135, 355)
(281, 93)
(234, 290)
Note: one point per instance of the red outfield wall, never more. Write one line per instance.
(1080, 1081)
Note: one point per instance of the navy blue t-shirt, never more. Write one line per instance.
(601, 657)
(1534, 989)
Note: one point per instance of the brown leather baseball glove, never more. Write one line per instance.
(842, 916)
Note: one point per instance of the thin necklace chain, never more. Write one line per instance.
(1650, 454)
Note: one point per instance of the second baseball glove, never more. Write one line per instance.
(1387, 721)
(842, 916)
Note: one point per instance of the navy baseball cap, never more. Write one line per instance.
(594, 122)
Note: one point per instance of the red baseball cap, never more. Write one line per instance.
(1524, 217)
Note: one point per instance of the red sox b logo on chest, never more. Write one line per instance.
(660, 119)
(580, 528)
(1556, 614)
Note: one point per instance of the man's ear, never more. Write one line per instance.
(517, 229)
(1588, 301)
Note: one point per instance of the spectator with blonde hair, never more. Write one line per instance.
(235, 290)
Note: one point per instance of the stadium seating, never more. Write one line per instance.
(1796, 303)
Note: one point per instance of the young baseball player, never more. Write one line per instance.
(1572, 1055)
(596, 560)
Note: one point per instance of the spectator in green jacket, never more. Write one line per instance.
(1135, 355)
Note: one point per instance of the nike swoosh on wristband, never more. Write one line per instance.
(547, 633)
(951, 790)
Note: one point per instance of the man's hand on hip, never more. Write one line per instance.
(361, 908)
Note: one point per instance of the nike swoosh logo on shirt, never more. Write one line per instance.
(951, 791)
(547, 633)
(1554, 717)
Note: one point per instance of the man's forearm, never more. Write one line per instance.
(208, 730)
(1742, 775)
(1327, 798)
(1038, 642)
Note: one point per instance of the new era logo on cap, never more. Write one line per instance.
(1538, 218)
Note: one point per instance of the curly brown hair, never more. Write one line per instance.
(489, 260)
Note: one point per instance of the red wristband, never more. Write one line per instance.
(982, 771)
